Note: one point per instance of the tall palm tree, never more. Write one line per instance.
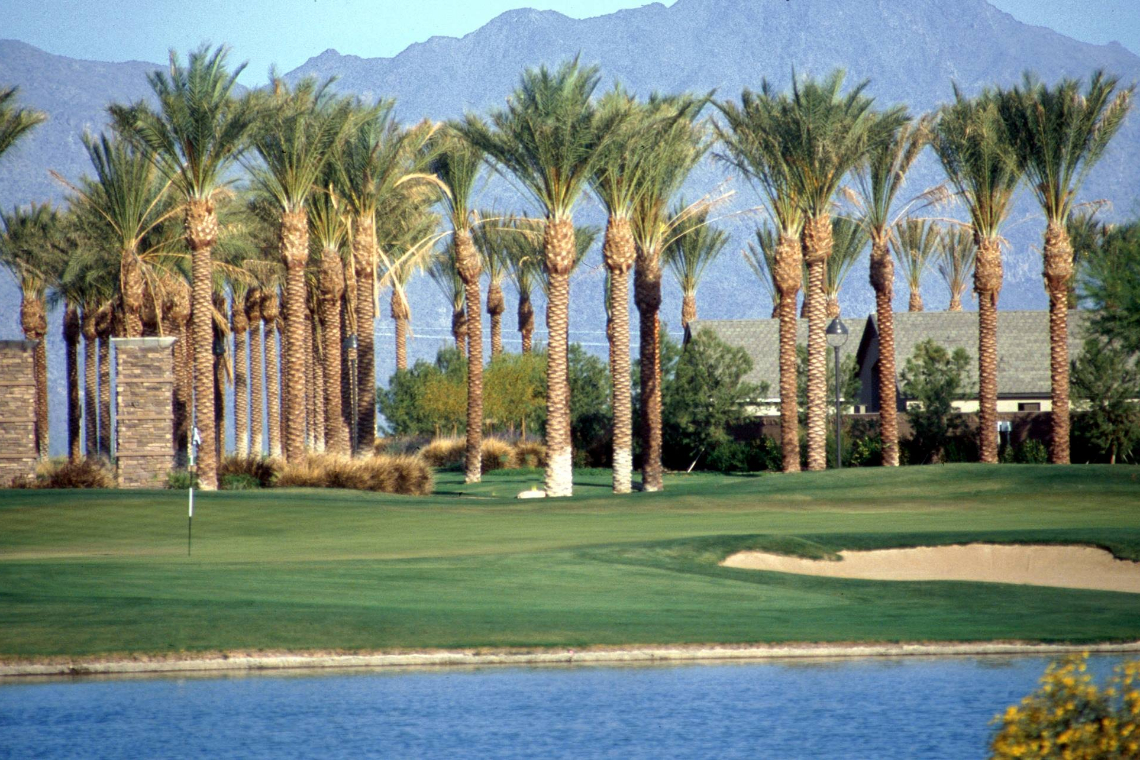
(915, 245)
(15, 122)
(1059, 133)
(881, 178)
(377, 160)
(105, 320)
(456, 164)
(127, 200)
(410, 240)
(956, 262)
(441, 269)
(194, 138)
(749, 137)
(677, 146)
(524, 254)
(972, 143)
(548, 138)
(30, 252)
(302, 128)
(72, 288)
(761, 259)
(823, 134)
(849, 238)
(329, 234)
(696, 245)
(489, 240)
(270, 320)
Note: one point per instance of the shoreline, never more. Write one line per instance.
(248, 663)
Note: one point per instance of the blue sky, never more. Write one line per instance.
(288, 32)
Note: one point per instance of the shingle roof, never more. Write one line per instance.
(1023, 344)
(761, 339)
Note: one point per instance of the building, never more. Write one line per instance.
(1023, 353)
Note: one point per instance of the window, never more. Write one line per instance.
(1029, 406)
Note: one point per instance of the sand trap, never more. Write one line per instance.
(1082, 567)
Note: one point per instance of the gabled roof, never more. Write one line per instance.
(761, 339)
(1023, 344)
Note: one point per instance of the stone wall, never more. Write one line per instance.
(144, 384)
(17, 410)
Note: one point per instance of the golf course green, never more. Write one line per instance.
(107, 572)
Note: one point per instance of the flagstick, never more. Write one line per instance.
(190, 523)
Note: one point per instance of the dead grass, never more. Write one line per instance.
(408, 475)
(497, 454)
(64, 473)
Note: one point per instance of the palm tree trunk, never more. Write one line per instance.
(987, 284)
(459, 328)
(620, 252)
(688, 313)
(364, 257)
(332, 291)
(270, 310)
(256, 373)
(131, 292)
(496, 305)
(647, 295)
(817, 250)
(559, 248)
(915, 303)
(788, 276)
(955, 301)
(103, 326)
(182, 398)
(90, 382)
(882, 280)
(526, 322)
(201, 232)
(467, 263)
(295, 254)
(71, 353)
(281, 326)
(33, 317)
(400, 314)
(240, 327)
(1058, 272)
(310, 381)
(318, 386)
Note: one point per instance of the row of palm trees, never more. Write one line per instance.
(339, 181)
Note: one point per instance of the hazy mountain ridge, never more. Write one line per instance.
(911, 51)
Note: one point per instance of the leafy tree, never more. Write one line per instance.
(404, 402)
(933, 377)
(514, 391)
(1105, 375)
(591, 414)
(1112, 286)
(707, 395)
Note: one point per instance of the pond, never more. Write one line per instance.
(874, 708)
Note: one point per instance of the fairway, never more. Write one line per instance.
(98, 572)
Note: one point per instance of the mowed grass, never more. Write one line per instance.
(85, 573)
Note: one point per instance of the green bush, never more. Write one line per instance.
(728, 456)
(180, 480)
(864, 451)
(261, 470)
(239, 481)
(1030, 451)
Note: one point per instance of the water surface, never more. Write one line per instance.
(894, 708)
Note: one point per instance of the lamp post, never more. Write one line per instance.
(350, 346)
(836, 336)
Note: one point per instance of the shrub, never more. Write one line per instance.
(1071, 716)
(529, 455)
(444, 452)
(180, 480)
(1030, 451)
(497, 454)
(262, 471)
(388, 474)
(728, 456)
(238, 481)
(82, 473)
(864, 451)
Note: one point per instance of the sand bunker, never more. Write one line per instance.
(1082, 567)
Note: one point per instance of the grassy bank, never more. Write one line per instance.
(103, 571)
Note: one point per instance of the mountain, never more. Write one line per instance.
(910, 50)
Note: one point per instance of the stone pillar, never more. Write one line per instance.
(17, 410)
(144, 387)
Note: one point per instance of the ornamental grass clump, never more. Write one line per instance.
(529, 455)
(497, 455)
(1070, 716)
(249, 471)
(408, 475)
(63, 473)
(444, 452)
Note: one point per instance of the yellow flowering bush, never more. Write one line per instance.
(1069, 716)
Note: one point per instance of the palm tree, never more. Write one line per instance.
(677, 145)
(915, 244)
(489, 240)
(696, 245)
(751, 147)
(29, 251)
(270, 320)
(761, 259)
(127, 202)
(956, 262)
(72, 287)
(456, 164)
(823, 134)
(194, 138)
(329, 234)
(412, 234)
(1059, 133)
(15, 122)
(972, 143)
(303, 128)
(378, 158)
(524, 253)
(441, 269)
(880, 179)
(849, 238)
(549, 139)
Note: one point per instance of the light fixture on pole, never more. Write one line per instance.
(837, 334)
(350, 346)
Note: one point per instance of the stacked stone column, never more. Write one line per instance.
(17, 410)
(144, 386)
